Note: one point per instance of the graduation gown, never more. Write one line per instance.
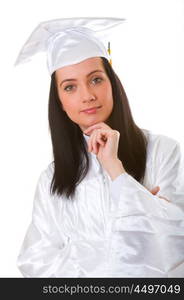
(111, 228)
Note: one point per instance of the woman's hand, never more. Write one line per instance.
(155, 190)
(104, 143)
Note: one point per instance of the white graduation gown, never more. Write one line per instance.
(112, 228)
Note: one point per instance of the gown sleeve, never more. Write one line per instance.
(46, 251)
(154, 226)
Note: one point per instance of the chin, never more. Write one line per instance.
(90, 122)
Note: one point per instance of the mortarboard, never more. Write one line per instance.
(69, 40)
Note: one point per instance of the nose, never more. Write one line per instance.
(86, 94)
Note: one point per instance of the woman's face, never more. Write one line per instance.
(85, 92)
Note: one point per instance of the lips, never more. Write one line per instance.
(90, 109)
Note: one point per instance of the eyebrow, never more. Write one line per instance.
(73, 79)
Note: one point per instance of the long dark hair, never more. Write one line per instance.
(71, 160)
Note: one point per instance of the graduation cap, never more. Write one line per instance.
(69, 41)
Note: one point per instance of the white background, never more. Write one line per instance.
(147, 53)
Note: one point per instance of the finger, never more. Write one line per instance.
(98, 142)
(100, 125)
(155, 190)
(102, 136)
(90, 144)
(100, 139)
(93, 143)
(90, 130)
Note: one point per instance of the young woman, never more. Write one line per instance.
(111, 202)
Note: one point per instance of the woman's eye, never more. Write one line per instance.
(68, 88)
(97, 80)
